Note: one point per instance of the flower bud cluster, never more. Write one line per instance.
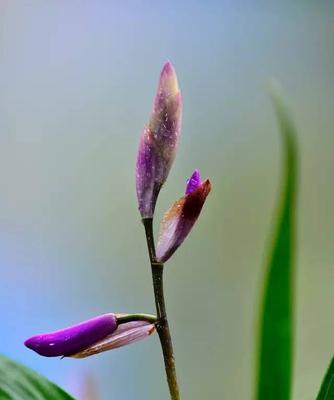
(156, 153)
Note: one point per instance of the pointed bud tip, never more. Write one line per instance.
(29, 343)
(168, 68)
(207, 186)
(168, 80)
(203, 189)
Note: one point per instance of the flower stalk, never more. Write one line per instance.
(125, 318)
(162, 325)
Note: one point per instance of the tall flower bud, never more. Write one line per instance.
(105, 332)
(180, 218)
(158, 142)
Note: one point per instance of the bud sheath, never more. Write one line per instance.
(128, 333)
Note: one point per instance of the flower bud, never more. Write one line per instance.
(158, 142)
(125, 334)
(73, 339)
(180, 218)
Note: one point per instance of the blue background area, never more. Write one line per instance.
(77, 81)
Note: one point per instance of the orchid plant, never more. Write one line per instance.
(156, 153)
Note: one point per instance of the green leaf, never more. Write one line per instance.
(21, 383)
(327, 386)
(276, 321)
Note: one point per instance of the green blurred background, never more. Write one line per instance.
(77, 81)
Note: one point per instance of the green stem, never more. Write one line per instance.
(123, 319)
(162, 320)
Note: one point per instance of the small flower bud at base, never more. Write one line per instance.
(73, 339)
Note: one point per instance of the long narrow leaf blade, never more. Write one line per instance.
(327, 386)
(18, 382)
(276, 323)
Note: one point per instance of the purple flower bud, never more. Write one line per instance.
(158, 142)
(73, 339)
(193, 182)
(180, 218)
(125, 334)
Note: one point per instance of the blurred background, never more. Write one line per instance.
(77, 81)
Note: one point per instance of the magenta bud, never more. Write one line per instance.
(180, 218)
(158, 142)
(73, 339)
(125, 334)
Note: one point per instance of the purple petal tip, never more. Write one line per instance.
(193, 182)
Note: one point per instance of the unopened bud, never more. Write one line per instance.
(180, 218)
(158, 142)
(73, 339)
